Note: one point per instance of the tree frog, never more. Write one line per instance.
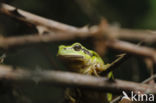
(79, 59)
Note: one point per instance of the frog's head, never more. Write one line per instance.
(74, 52)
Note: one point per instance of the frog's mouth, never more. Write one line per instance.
(71, 57)
(72, 62)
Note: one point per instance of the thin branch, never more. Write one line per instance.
(68, 79)
(35, 20)
(149, 79)
(148, 36)
(133, 49)
(51, 25)
(9, 42)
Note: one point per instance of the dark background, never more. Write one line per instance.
(135, 14)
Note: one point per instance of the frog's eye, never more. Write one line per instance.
(77, 47)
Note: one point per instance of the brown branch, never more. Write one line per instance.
(51, 25)
(36, 20)
(32, 39)
(133, 49)
(31, 18)
(148, 36)
(68, 79)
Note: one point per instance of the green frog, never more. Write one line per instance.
(79, 59)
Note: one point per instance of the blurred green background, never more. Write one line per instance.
(135, 14)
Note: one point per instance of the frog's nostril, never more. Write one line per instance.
(64, 48)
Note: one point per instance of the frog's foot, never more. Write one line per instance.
(87, 71)
(109, 97)
(95, 73)
(91, 71)
(110, 76)
(71, 99)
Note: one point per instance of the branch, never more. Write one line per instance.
(35, 20)
(9, 42)
(133, 49)
(148, 36)
(72, 80)
(51, 25)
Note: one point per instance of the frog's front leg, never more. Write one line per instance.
(91, 70)
(101, 68)
(87, 70)
(106, 66)
(95, 72)
(68, 96)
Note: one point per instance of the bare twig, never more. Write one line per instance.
(133, 49)
(149, 79)
(35, 20)
(73, 80)
(148, 36)
(31, 39)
